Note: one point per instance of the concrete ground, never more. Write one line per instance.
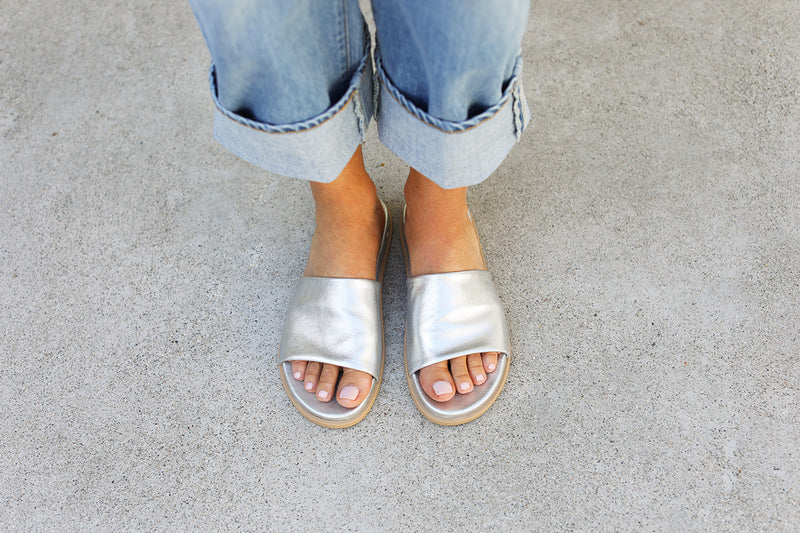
(644, 236)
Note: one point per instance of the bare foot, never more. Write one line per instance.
(442, 238)
(346, 242)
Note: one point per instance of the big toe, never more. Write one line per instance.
(437, 382)
(354, 387)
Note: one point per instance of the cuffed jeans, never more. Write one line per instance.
(294, 88)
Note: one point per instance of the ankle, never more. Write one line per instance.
(424, 196)
(355, 206)
(352, 195)
(438, 231)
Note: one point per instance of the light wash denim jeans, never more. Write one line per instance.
(294, 89)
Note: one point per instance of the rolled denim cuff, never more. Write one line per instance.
(316, 149)
(452, 154)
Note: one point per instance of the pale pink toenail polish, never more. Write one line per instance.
(298, 375)
(308, 386)
(464, 386)
(480, 378)
(442, 388)
(323, 395)
(491, 366)
(348, 393)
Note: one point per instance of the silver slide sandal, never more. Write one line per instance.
(337, 321)
(450, 315)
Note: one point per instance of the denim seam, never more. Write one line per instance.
(440, 124)
(345, 40)
(521, 113)
(358, 109)
(517, 112)
(525, 110)
(294, 127)
(376, 82)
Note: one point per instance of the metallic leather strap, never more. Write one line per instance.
(353, 306)
(453, 314)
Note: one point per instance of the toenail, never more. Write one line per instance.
(298, 375)
(479, 378)
(464, 386)
(348, 393)
(309, 386)
(441, 388)
(323, 394)
(491, 366)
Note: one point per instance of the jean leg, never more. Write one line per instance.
(452, 104)
(291, 80)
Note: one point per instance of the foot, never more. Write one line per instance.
(346, 242)
(442, 238)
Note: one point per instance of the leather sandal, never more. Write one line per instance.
(338, 321)
(449, 315)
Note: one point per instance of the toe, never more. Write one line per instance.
(490, 361)
(460, 372)
(327, 382)
(476, 370)
(299, 370)
(312, 376)
(437, 382)
(354, 387)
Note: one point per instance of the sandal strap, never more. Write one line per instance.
(453, 314)
(335, 321)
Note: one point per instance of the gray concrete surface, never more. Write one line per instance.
(645, 238)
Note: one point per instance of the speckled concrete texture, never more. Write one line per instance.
(644, 236)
